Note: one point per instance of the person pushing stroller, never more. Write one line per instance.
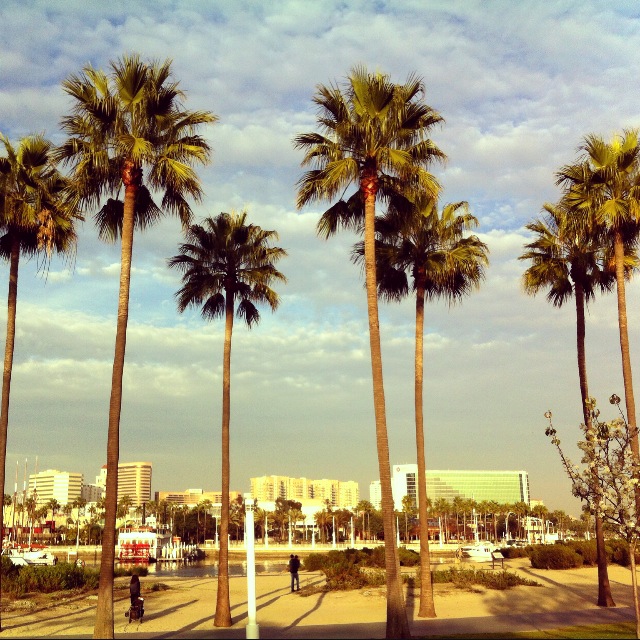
(136, 610)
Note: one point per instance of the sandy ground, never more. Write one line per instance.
(185, 609)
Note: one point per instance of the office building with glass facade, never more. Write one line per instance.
(499, 486)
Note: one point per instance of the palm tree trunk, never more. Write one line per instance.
(624, 345)
(104, 612)
(12, 301)
(397, 623)
(605, 598)
(223, 605)
(427, 607)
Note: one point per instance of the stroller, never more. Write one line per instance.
(136, 610)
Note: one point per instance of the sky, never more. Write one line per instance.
(518, 84)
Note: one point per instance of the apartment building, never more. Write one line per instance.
(63, 486)
(340, 494)
(134, 481)
(193, 497)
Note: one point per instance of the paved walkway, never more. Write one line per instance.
(186, 609)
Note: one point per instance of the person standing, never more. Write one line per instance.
(134, 589)
(294, 567)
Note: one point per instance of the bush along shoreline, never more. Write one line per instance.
(354, 569)
(63, 576)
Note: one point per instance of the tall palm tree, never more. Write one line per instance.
(442, 262)
(374, 135)
(121, 125)
(441, 509)
(34, 216)
(607, 182)
(226, 261)
(568, 259)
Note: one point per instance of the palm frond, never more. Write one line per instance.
(227, 259)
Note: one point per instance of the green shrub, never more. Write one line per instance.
(344, 576)
(9, 570)
(618, 551)
(48, 579)
(586, 549)
(466, 578)
(408, 557)
(363, 557)
(557, 556)
(375, 577)
(514, 552)
(314, 561)
(376, 558)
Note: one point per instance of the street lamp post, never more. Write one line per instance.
(252, 629)
(266, 528)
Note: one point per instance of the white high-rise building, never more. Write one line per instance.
(63, 486)
(375, 494)
(134, 480)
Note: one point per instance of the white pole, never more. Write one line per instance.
(252, 629)
(397, 532)
(334, 532)
(266, 528)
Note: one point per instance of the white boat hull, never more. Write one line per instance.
(479, 553)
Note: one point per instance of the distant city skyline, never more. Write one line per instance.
(519, 85)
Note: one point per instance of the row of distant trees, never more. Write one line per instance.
(196, 524)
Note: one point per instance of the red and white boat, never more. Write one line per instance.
(141, 543)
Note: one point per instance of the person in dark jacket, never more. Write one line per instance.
(294, 567)
(134, 589)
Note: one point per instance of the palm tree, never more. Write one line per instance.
(224, 261)
(207, 505)
(365, 508)
(34, 216)
(568, 259)
(374, 135)
(323, 519)
(607, 183)
(121, 125)
(494, 509)
(441, 509)
(442, 263)
(521, 509)
(53, 505)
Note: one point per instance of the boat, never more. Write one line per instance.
(142, 543)
(25, 556)
(479, 551)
